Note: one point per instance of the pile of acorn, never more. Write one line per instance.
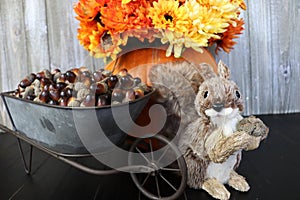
(79, 87)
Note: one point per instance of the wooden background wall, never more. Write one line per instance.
(38, 34)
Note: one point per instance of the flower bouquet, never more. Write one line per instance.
(105, 26)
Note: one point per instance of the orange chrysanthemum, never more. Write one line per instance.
(104, 44)
(130, 18)
(86, 10)
(226, 41)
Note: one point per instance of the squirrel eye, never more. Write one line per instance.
(205, 94)
(237, 94)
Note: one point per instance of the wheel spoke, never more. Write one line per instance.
(151, 149)
(157, 187)
(170, 169)
(147, 177)
(163, 154)
(143, 155)
(172, 186)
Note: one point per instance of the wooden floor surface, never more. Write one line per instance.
(273, 171)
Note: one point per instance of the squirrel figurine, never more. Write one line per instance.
(211, 133)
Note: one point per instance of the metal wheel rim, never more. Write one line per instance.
(181, 166)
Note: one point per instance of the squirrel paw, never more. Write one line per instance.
(216, 189)
(238, 182)
(253, 126)
(229, 145)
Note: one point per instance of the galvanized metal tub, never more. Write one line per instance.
(54, 126)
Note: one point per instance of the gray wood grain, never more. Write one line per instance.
(65, 51)
(265, 62)
(13, 57)
(36, 35)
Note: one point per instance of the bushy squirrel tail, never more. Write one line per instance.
(177, 84)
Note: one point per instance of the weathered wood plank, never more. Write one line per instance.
(36, 35)
(285, 56)
(13, 56)
(13, 46)
(260, 56)
(65, 51)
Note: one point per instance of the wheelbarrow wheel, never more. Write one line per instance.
(167, 178)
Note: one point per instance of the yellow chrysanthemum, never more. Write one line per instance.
(228, 10)
(172, 21)
(177, 42)
(167, 14)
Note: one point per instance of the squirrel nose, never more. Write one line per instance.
(218, 106)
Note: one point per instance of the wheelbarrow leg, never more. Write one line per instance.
(27, 166)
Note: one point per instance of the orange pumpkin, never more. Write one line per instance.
(139, 62)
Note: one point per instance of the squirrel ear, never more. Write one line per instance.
(223, 70)
(206, 71)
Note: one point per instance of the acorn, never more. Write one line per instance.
(45, 81)
(138, 92)
(37, 99)
(30, 97)
(63, 102)
(20, 89)
(36, 83)
(129, 96)
(106, 73)
(56, 77)
(31, 77)
(137, 81)
(73, 102)
(52, 86)
(66, 93)
(54, 94)
(70, 76)
(81, 94)
(60, 85)
(29, 91)
(78, 86)
(52, 102)
(47, 74)
(112, 81)
(99, 88)
(86, 81)
(117, 95)
(40, 75)
(70, 85)
(89, 101)
(25, 83)
(76, 71)
(97, 75)
(37, 92)
(49, 87)
(44, 74)
(44, 96)
(126, 82)
(55, 71)
(103, 100)
(46, 87)
(62, 78)
(17, 93)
